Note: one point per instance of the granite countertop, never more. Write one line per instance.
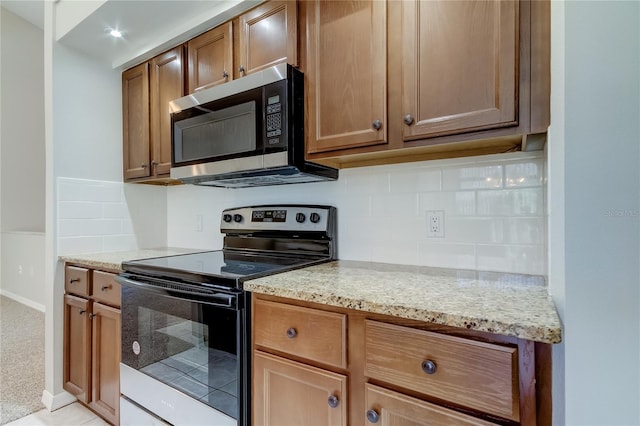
(113, 260)
(500, 303)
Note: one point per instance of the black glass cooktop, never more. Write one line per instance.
(222, 267)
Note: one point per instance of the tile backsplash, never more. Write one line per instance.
(494, 212)
(100, 216)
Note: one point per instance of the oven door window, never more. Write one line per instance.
(190, 346)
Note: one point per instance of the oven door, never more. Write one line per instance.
(190, 339)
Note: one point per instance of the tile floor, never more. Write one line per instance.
(71, 415)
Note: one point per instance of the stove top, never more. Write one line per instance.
(259, 241)
(220, 267)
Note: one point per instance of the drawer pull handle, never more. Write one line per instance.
(91, 316)
(105, 287)
(74, 280)
(333, 401)
(82, 312)
(292, 333)
(373, 416)
(429, 367)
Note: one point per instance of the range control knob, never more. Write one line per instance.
(237, 218)
(300, 217)
(315, 217)
(227, 218)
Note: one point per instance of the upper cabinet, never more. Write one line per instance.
(459, 66)
(260, 38)
(345, 74)
(267, 36)
(418, 79)
(211, 58)
(146, 92)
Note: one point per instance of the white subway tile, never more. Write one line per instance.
(474, 230)
(355, 250)
(115, 211)
(462, 203)
(524, 174)
(119, 243)
(485, 177)
(367, 183)
(79, 210)
(79, 245)
(415, 180)
(403, 252)
(394, 205)
(354, 205)
(446, 255)
(522, 259)
(511, 202)
(525, 230)
(89, 227)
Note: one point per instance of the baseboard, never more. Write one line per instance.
(28, 302)
(54, 402)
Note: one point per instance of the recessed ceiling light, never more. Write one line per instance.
(115, 33)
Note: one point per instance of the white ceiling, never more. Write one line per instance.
(149, 26)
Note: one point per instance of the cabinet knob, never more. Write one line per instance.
(408, 119)
(242, 70)
(429, 367)
(377, 124)
(74, 280)
(225, 75)
(82, 312)
(144, 166)
(292, 333)
(105, 287)
(91, 316)
(333, 401)
(154, 163)
(373, 416)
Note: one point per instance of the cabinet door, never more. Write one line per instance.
(105, 365)
(346, 78)
(167, 83)
(211, 58)
(135, 122)
(77, 347)
(460, 66)
(268, 36)
(386, 408)
(289, 393)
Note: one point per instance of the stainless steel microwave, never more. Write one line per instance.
(247, 132)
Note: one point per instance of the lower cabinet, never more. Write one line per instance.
(321, 365)
(91, 369)
(297, 394)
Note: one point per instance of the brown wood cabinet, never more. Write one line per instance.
(396, 371)
(411, 80)
(345, 74)
(262, 37)
(297, 394)
(146, 92)
(211, 58)
(91, 356)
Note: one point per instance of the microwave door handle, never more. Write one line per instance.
(217, 299)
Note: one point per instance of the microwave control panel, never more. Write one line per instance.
(275, 108)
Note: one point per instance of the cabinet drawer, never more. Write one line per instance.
(308, 333)
(105, 288)
(76, 281)
(472, 374)
(396, 408)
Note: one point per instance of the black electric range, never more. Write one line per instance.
(186, 318)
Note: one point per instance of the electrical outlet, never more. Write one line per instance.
(197, 225)
(435, 223)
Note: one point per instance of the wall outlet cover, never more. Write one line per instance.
(435, 223)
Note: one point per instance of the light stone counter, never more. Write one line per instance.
(113, 260)
(506, 304)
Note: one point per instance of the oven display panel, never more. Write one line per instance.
(269, 216)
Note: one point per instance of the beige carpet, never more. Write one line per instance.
(21, 360)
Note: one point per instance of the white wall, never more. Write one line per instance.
(23, 268)
(601, 176)
(494, 212)
(22, 166)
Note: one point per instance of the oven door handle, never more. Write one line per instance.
(213, 298)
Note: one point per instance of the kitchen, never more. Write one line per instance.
(88, 164)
